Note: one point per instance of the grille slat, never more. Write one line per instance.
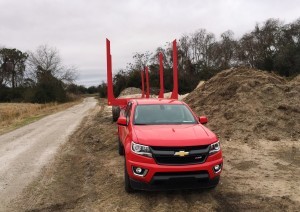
(166, 155)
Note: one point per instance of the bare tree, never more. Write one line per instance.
(227, 50)
(47, 61)
(141, 60)
(202, 43)
(184, 45)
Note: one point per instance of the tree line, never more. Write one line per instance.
(38, 76)
(272, 46)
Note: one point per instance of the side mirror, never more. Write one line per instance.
(203, 119)
(122, 121)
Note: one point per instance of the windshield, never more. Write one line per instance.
(163, 114)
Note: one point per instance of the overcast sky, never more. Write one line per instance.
(78, 28)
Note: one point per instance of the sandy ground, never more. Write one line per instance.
(87, 175)
(25, 151)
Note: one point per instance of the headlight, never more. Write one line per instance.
(141, 149)
(214, 148)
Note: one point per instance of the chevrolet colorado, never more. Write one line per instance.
(166, 146)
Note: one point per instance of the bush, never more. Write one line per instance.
(51, 91)
(11, 95)
(102, 90)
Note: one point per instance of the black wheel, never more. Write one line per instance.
(121, 148)
(128, 187)
(115, 113)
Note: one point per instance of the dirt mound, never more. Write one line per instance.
(130, 91)
(249, 104)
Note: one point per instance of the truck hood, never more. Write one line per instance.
(173, 135)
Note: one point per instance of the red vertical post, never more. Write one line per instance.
(175, 72)
(110, 91)
(147, 83)
(161, 76)
(143, 85)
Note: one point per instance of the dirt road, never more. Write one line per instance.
(26, 150)
(87, 175)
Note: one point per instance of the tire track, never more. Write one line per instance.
(25, 151)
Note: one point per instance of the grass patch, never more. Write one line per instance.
(15, 115)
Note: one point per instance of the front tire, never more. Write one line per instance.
(115, 113)
(128, 187)
(121, 148)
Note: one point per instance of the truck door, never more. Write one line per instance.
(124, 130)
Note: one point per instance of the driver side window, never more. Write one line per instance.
(128, 112)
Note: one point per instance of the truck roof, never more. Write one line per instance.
(157, 101)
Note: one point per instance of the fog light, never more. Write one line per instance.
(217, 168)
(138, 171)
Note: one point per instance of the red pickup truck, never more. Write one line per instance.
(167, 147)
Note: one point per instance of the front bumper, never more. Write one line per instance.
(175, 183)
(170, 177)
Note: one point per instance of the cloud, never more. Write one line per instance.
(78, 28)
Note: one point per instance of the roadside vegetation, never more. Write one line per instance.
(38, 76)
(15, 115)
(35, 84)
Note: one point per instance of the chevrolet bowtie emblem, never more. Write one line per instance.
(181, 153)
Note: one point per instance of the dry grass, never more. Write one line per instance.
(14, 115)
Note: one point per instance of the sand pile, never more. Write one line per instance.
(249, 104)
(128, 92)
